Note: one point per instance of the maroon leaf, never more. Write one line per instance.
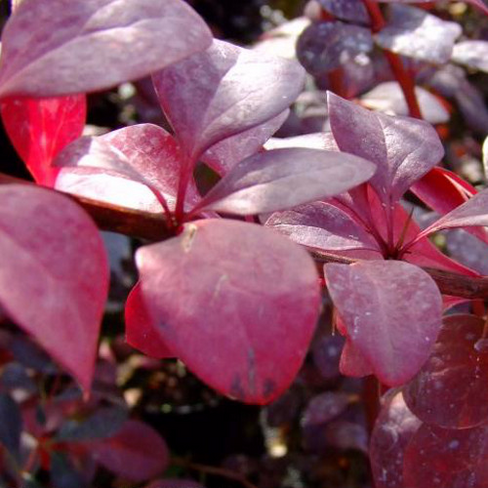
(447, 458)
(84, 54)
(449, 390)
(415, 33)
(403, 149)
(353, 363)
(392, 432)
(325, 46)
(224, 155)
(137, 157)
(352, 10)
(283, 178)
(137, 453)
(323, 226)
(54, 274)
(375, 301)
(224, 91)
(201, 288)
(40, 128)
(140, 332)
(477, 3)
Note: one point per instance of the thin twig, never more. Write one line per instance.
(152, 227)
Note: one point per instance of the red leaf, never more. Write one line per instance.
(375, 301)
(84, 54)
(40, 128)
(447, 458)
(392, 432)
(450, 390)
(54, 274)
(283, 178)
(216, 94)
(137, 453)
(236, 302)
(140, 332)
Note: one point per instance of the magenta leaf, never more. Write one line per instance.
(139, 157)
(394, 428)
(447, 458)
(224, 91)
(353, 362)
(40, 128)
(375, 301)
(473, 54)
(137, 452)
(403, 149)
(415, 33)
(323, 226)
(449, 390)
(245, 349)
(224, 155)
(54, 274)
(84, 54)
(324, 46)
(283, 178)
(140, 332)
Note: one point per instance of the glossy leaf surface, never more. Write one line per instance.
(201, 288)
(40, 128)
(62, 47)
(450, 389)
(415, 33)
(283, 178)
(137, 453)
(140, 332)
(473, 54)
(53, 283)
(375, 301)
(224, 91)
(402, 148)
(447, 458)
(392, 432)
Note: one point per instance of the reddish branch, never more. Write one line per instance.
(152, 227)
(405, 81)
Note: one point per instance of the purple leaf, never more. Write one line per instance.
(224, 91)
(283, 178)
(477, 3)
(325, 46)
(415, 33)
(325, 407)
(322, 226)
(473, 54)
(449, 390)
(388, 97)
(135, 157)
(352, 10)
(62, 47)
(326, 353)
(403, 149)
(224, 155)
(54, 274)
(245, 349)
(394, 428)
(375, 301)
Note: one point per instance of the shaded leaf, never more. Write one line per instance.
(415, 33)
(40, 128)
(53, 283)
(324, 407)
(326, 354)
(136, 453)
(449, 390)
(10, 425)
(245, 349)
(375, 301)
(283, 178)
(324, 46)
(352, 10)
(140, 331)
(392, 432)
(84, 54)
(402, 148)
(63, 474)
(224, 91)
